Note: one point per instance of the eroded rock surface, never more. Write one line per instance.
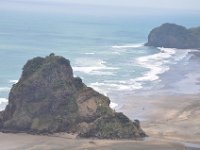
(49, 99)
(174, 36)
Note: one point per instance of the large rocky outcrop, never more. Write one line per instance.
(49, 99)
(174, 36)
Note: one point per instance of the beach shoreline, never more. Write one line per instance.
(168, 124)
(167, 117)
(65, 141)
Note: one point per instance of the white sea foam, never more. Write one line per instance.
(4, 89)
(93, 67)
(157, 63)
(3, 103)
(116, 52)
(95, 70)
(3, 100)
(113, 105)
(128, 46)
(116, 86)
(99, 89)
(89, 53)
(13, 81)
(182, 53)
(88, 61)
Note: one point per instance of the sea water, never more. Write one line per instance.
(108, 53)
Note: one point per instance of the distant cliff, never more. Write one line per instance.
(49, 99)
(174, 36)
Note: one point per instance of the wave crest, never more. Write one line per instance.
(3, 103)
(4, 89)
(156, 63)
(128, 46)
(13, 81)
(93, 67)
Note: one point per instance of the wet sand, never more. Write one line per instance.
(177, 122)
(172, 123)
(175, 118)
(67, 142)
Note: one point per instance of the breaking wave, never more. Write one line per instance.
(4, 89)
(156, 64)
(93, 67)
(128, 46)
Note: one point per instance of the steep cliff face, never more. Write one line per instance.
(174, 36)
(49, 99)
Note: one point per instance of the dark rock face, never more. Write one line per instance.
(174, 36)
(49, 99)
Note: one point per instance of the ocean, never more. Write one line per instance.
(108, 53)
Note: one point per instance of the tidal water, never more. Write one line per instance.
(108, 53)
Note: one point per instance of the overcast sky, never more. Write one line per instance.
(105, 6)
(180, 4)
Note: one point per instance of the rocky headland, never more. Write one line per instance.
(49, 99)
(174, 36)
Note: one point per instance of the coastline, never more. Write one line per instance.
(166, 117)
(157, 88)
(171, 122)
(169, 119)
(65, 141)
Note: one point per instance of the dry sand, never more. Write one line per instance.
(169, 117)
(172, 122)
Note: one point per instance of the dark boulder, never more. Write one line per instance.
(174, 36)
(49, 99)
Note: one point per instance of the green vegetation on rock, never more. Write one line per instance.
(48, 99)
(174, 36)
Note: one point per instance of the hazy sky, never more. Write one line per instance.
(105, 6)
(180, 4)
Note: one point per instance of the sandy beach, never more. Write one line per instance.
(99, 75)
(172, 123)
(65, 142)
(168, 117)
